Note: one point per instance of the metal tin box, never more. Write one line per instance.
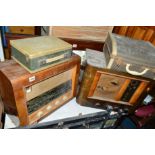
(135, 57)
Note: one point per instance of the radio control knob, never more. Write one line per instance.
(97, 104)
(49, 107)
(65, 98)
(40, 113)
(57, 102)
(28, 89)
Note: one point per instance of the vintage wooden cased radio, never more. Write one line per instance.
(33, 96)
(101, 87)
(2, 115)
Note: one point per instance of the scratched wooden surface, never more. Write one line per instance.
(88, 82)
(93, 33)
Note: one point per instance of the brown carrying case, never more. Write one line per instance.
(135, 57)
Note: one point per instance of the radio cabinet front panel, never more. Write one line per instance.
(101, 87)
(36, 95)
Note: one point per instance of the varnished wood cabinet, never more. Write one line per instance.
(31, 97)
(101, 87)
(32, 30)
(146, 33)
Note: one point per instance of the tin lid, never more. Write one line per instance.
(40, 46)
(138, 51)
(95, 58)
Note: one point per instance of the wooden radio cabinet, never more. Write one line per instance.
(101, 87)
(33, 96)
(2, 115)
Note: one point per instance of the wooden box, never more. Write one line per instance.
(39, 53)
(135, 57)
(33, 96)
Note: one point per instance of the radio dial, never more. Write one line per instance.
(65, 98)
(57, 102)
(49, 107)
(40, 113)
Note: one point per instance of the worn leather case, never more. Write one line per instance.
(39, 53)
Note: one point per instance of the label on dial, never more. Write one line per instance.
(32, 78)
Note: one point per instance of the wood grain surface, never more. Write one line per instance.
(104, 99)
(92, 33)
(22, 29)
(14, 79)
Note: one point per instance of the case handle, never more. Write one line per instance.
(55, 58)
(134, 72)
